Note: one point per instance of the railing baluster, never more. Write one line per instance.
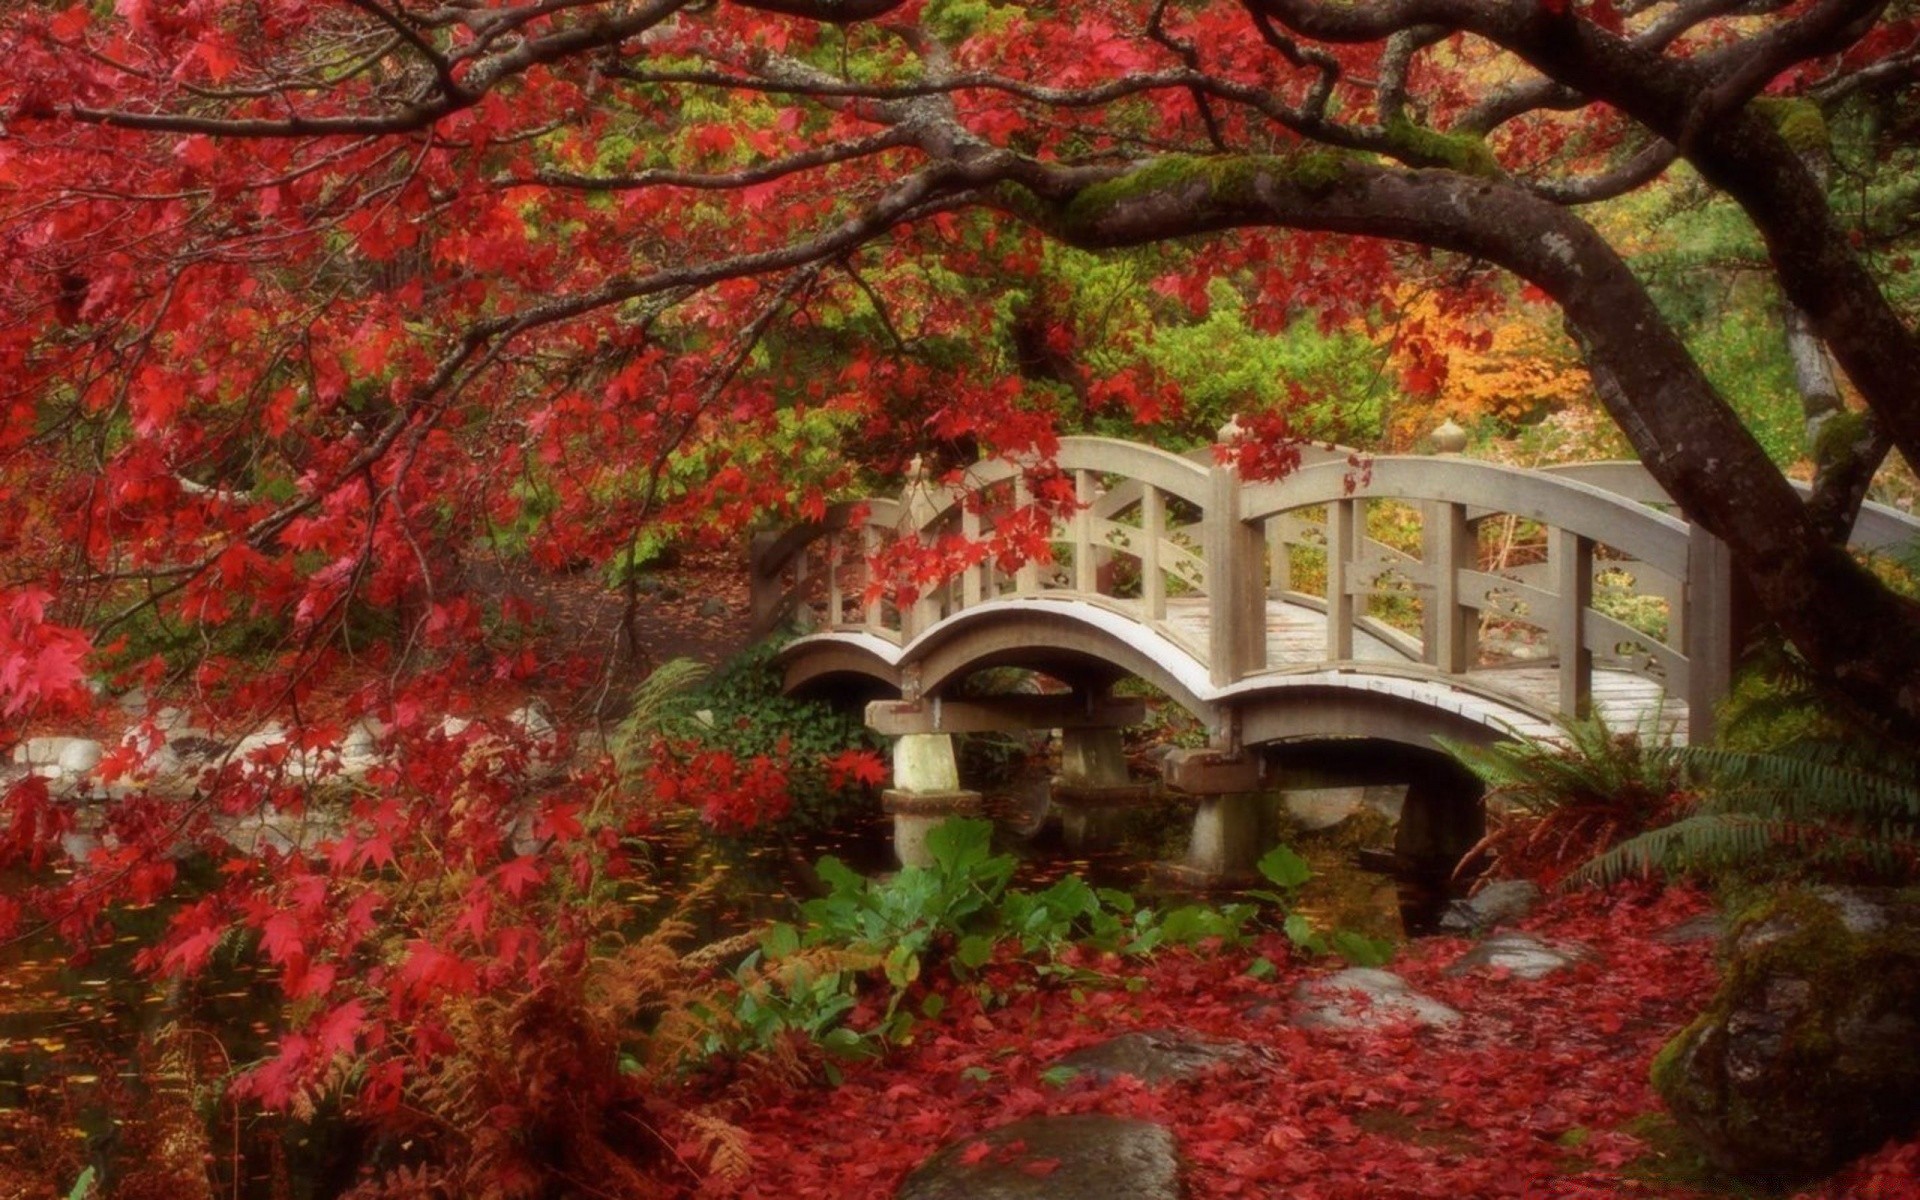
(1450, 547)
(1153, 525)
(869, 546)
(975, 577)
(1279, 558)
(1341, 519)
(835, 602)
(1086, 572)
(1571, 557)
(1026, 578)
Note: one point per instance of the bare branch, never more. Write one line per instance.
(1644, 167)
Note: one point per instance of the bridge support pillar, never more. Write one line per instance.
(926, 791)
(1093, 793)
(1229, 833)
(1227, 839)
(1443, 818)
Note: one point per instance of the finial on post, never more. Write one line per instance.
(1231, 431)
(1448, 438)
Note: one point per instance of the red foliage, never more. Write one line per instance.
(1532, 1095)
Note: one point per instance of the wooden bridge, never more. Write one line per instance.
(1393, 598)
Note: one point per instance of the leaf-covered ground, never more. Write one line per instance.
(1541, 1091)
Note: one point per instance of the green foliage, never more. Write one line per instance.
(1224, 366)
(1810, 809)
(741, 709)
(957, 916)
(1553, 805)
(1591, 768)
(1288, 872)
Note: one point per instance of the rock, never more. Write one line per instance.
(1810, 1053)
(69, 756)
(360, 749)
(1707, 927)
(1500, 903)
(714, 606)
(1365, 998)
(1521, 955)
(535, 722)
(1323, 808)
(1153, 1056)
(1086, 1157)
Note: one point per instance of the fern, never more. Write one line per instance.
(652, 709)
(1808, 811)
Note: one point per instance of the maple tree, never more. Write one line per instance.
(314, 306)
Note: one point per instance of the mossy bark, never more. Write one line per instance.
(1810, 1053)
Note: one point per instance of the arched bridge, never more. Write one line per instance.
(1397, 598)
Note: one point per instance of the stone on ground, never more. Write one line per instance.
(1521, 955)
(1086, 1157)
(1153, 1056)
(1499, 903)
(1810, 1053)
(1365, 998)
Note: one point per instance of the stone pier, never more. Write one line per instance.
(1093, 792)
(926, 791)
(1228, 834)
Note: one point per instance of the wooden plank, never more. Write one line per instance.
(1450, 547)
(1086, 572)
(1341, 519)
(1572, 557)
(1153, 581)
(1026, 577)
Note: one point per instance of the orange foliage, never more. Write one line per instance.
(1509, 364)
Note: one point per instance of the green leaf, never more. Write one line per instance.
(1262, 969)
(779, 940)
(1301, 933)
(933, 1006)
(902, 965)
(1059, 1076)
(847, 1045)
(977, 1075)
(1361, 950)
(1285, 869)
(974, 951)
(83, 1186)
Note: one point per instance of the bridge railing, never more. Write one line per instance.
(1587, 533)
(819, 574)
(1135, 535)
(1609, 577)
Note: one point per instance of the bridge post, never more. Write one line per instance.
(1449, 550)
(1571, 558)
(1236, 587)
(1343, 519)
(926, 792)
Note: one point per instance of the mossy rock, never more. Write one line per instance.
(1810, 1053)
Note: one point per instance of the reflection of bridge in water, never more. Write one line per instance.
(1409, 598)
